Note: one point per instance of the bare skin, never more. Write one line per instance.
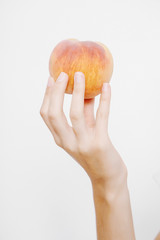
(158, 236)
(87, 142)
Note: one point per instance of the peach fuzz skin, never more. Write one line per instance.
(93, 59)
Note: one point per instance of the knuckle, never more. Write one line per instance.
(52, 116)
(68, 148)
(75, 115)
(57, 141)
(84, 149)
(43, 113)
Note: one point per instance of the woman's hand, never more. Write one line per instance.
(87, 140)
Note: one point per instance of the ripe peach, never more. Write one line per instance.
(92, 58)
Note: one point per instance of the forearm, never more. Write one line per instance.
(113, 212)
(88, 142)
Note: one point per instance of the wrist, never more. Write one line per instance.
(110, 189)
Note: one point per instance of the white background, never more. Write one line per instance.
(44, 193)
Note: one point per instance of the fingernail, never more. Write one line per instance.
(78, 77)
(50, 81)
(105, 87)
(62, 77)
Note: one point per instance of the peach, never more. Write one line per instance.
(92, 58)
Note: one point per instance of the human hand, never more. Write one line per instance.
(158, 236)
(87, 140)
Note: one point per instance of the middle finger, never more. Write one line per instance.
(77, 105)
